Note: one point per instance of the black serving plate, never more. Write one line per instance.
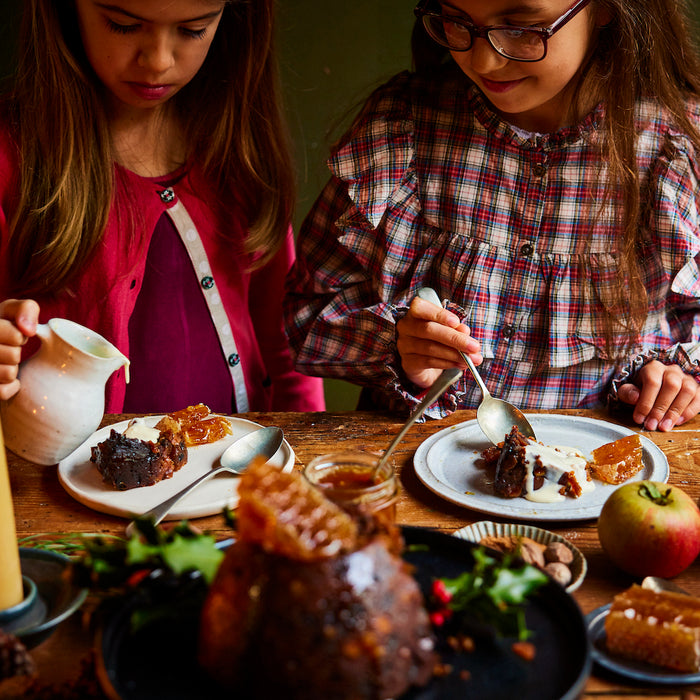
(160, 660)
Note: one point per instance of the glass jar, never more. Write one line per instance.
(349, 480)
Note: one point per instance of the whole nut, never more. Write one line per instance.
(561, 573)
(558, 551)
(531, 552)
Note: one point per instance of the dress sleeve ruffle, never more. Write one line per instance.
(374, 160)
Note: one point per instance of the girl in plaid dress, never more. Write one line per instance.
(539, 169)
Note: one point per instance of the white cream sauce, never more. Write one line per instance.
(138, 430)
(556, 461)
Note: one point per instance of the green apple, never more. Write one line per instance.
(649, 528)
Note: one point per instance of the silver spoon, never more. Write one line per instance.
(496, 417)
(438, 388)
(235, 459)
(659, 585)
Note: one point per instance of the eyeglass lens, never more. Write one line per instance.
(513, 43)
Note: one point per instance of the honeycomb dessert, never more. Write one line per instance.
(143, 455)
(279, 512)
(659, 628)
(617, 461)
(198, 425)
(311, 604)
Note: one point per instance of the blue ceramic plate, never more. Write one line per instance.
(633, 670)
(57, 597)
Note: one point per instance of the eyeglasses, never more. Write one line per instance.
(516, 43)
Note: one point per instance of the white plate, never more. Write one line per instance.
(79, 476)
(448, 463)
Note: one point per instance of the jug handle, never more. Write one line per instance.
(43, 331)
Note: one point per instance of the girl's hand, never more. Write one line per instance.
(664, 396)
(429, 339)
(18, 319)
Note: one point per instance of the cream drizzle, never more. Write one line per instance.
(138, 430)
(556, 461)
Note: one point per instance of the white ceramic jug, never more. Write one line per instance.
(62, 392)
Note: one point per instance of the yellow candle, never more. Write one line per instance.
(11, 592)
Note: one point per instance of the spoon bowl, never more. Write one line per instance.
(238, 455)
(496, 417)
(659, 585)
(235, 459)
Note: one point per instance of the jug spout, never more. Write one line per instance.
(94, 350)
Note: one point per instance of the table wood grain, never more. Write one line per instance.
(42, 506)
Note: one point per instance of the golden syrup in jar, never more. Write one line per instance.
(350, 480)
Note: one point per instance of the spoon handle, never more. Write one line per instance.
(157, 513)
(429, 294)
(162, 509)
(439, 387)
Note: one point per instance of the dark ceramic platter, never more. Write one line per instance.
(160, 660)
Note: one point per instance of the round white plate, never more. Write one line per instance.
(79, 476)
(449, 463)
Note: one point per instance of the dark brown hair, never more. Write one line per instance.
(230, 114)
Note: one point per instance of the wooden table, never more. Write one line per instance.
(41, 505)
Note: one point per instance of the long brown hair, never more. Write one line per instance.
(645, 50)
(230, 114)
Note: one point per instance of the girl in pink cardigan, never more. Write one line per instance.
(146, 191)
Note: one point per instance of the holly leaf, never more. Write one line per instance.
(183, 554)
(514, 586)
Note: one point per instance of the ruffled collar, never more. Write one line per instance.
(493, 122)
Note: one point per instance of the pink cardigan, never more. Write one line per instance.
(103, 296)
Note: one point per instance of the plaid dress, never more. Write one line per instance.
(513, 231)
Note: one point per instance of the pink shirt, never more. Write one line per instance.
(246, 306)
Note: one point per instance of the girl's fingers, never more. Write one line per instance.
(9, 389)
(681, 405)
(18, 320)
(667, 394)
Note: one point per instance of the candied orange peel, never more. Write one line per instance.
(287, 516)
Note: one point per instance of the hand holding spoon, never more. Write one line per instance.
(496, 417)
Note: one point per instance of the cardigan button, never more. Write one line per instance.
(207, 282)
(233, 359)
(167, 195)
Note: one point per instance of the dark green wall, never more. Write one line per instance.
(331, 60)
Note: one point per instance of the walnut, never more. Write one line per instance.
(531, 552)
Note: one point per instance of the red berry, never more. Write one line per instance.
(440, 591)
